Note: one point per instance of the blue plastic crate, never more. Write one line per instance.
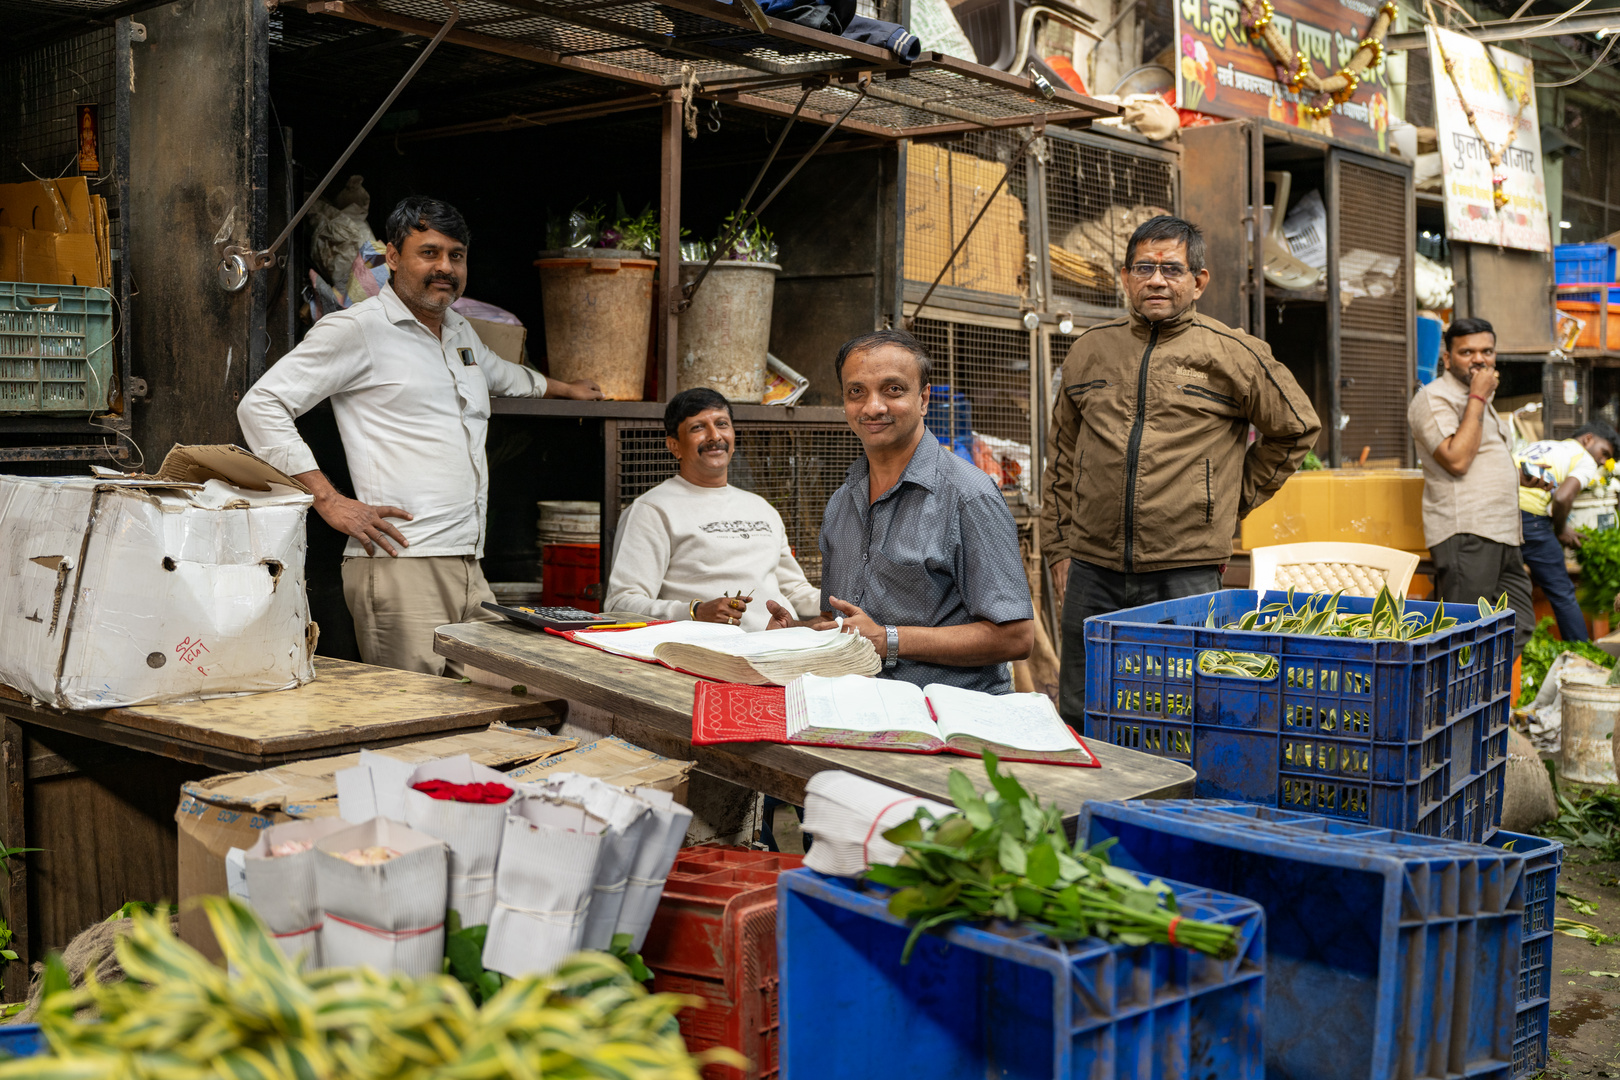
(1003, 1002)
(1383, 732)
(1530, 1040)
(56, 350)
(22, 1040)
(1542, 858)
(1583, 262)
(1387, 954)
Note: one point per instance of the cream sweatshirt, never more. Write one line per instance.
(680, 542)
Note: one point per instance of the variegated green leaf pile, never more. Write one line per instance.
(1319, 614)
(180, 1017)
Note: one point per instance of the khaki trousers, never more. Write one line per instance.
(397, 603)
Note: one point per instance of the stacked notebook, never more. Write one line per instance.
(727, 653)
(886, 714)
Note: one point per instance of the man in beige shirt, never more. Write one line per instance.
(1470, 484)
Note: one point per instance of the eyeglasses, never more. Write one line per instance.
(1144, 271)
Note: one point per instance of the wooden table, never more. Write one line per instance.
(96, 791)
(651, 706)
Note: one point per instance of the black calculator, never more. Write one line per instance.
(549, 618)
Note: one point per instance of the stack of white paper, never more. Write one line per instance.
(543, 885)
(283, 887)
(774, 657)
(390, 915)
(848, 816)
(473, 832)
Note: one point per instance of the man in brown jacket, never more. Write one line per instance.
(1150, 465)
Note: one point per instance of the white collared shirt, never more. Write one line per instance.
(413, 411)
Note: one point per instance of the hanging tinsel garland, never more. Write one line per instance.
(1295, 72)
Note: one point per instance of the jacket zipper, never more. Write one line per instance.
(1133, 451)
(1209, 494)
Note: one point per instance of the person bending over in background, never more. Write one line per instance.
(695, 537)
(1470, 485)
(1552, 473)
(1150, 461)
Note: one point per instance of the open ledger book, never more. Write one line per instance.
(887, 714)
(763, 658)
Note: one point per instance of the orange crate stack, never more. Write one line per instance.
(714, 937)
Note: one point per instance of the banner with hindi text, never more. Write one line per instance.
(1220, 72)
(1500, 88)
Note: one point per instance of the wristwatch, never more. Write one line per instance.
(891, 656)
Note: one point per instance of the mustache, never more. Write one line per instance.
(449, 279)
(714, 444)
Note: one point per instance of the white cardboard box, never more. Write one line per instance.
(128, 591)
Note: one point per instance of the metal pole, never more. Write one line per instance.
(669, 242)
(753, 215)
(261, 259)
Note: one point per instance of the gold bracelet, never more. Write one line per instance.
(691, 610)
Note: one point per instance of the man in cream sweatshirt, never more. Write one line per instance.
(694, 547)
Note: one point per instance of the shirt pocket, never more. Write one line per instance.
(473, 389)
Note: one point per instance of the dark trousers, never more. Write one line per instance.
(1470, 568)
(1544, 558)
(1093, 590)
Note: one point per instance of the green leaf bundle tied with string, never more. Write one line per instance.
(1003, 855)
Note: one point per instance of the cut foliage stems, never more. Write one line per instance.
(1388, 620)
(1588, 821)
(1599, 556)
(1003, 855)
(179, 1017)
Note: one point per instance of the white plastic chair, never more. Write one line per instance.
(1330, 565)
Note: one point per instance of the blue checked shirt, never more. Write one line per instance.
(938, 549)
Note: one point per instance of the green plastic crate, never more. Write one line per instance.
(56, 353)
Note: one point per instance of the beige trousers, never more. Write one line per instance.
(397, 604)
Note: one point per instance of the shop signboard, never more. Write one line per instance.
(1505, 204)
(1219, 71)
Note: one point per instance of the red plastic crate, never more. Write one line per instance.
(714, 937)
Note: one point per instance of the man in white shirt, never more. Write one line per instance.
(695, 547)
(410, 384)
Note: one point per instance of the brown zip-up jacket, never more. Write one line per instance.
(1149, 466)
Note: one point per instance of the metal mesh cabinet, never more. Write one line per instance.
(985, 384)
(947, 183)
(1096, 189)
(1564, 388)
(794, 466)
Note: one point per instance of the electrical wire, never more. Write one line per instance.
(1604, 55)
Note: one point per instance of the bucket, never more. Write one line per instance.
(599, 319)
(1592, 511)
(570, 576)
(570, 523)
(723, 336)
(1589, 714)
(516, 593)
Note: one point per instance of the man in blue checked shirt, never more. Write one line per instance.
(919, 551)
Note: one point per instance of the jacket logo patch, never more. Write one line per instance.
(467, 357)
(1184, 372)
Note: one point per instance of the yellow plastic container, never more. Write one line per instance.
(1363, 506)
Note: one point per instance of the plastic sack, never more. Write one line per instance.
(339, 233)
